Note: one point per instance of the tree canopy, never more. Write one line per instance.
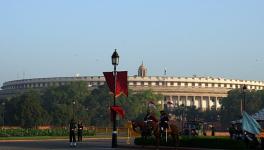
(56, 106)
(231, 105)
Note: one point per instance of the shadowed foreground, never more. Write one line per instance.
(95, 144)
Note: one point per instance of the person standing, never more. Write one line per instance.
(213, 130)
(232, 131)
(149, 120)
(80, 131)
(150, 117)
(72, 133)
(164, 119)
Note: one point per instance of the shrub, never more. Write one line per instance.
(38, 132)
(204, 142)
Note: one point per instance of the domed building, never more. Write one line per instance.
(202, 92)
(142, 71)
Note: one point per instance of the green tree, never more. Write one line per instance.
(192, 113)
(98, 106)
(30, 112)
(136, 104)
(231, 105)
(12, 111)
(210, 115)
(58, 101)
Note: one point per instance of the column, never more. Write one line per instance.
(188, 101)
(207, 103)
(201, 102)
(175, 101)
(217, 101)
(193, 98)
(169, 102)
(204, 102)
(214, 102)
(182, 100)
(185, 101)
(196, 102)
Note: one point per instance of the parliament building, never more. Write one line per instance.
(202, 92)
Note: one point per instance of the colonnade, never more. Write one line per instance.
(202, 102)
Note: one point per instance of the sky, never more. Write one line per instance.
(61, 38)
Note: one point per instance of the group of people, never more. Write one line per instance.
(73, 129)
(163, 122)
(236, 132)
(78, 127)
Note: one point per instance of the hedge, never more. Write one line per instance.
(40, 132)
(199, 142)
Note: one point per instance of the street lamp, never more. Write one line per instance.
(244, 88)
(73, 109)
(115, 61)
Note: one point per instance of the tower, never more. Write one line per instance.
(142, 71)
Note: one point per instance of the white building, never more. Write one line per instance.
(202, 92)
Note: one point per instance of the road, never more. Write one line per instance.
(57, 144)
(91, 144)
(87, 144)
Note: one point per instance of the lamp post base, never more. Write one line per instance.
(114, 139)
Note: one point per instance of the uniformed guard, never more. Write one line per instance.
(164, 119)
(72, 133)
(80, 131)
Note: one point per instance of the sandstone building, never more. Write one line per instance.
(202, 92)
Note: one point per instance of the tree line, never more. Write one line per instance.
(230, 108)
(231, 105)
(56, 106)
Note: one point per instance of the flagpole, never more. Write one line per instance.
(244, 88)
(114, 134)
(115, 61)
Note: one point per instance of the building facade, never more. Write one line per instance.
(202, 92)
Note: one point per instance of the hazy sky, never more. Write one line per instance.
(48, 38)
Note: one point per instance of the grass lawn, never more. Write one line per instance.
(34, 138)
(50, 137)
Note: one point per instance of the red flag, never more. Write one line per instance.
(110, 80)
(119, 110)
(121, 82)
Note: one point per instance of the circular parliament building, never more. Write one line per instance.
(202, 92)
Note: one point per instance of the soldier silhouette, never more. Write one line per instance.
(164, 119)
(72, 133)
(80, 131)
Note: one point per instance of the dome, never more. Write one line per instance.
(142, 70)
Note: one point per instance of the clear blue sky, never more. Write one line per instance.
(47, 38)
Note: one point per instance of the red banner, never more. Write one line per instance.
(119, 110)
(110, 80)
(121, 82)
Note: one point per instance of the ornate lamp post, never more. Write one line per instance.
(244, 88)
(73, 109)
(115, 61)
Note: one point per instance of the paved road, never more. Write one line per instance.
(87, 144)
(58, 145)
